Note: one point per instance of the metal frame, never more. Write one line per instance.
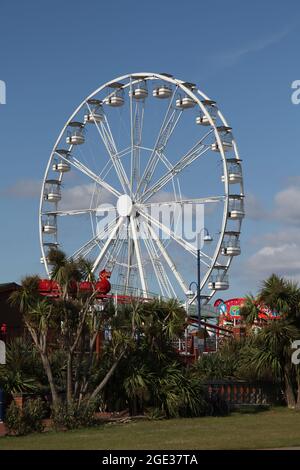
(140, 187)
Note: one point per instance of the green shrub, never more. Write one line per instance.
(27, 420)
(218, 406)
(74, 415)
(155, 414)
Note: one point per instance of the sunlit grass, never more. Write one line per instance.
(278, 427)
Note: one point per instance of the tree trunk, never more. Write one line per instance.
(40, 344)
(107, 377)
(69, 380)
(289, 391)
(82, 386)
(48, 371)
(298, 394)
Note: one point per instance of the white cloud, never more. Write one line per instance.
(277, 238)
(279, 249)
(76, 197)
(81, 196)
(287, 205)
(282, 259)
(278, 253)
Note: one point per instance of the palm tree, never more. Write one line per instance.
(276, 294)
(161, 322)
(293, 292)
(250, 310)
(270, 356)
(176, 392)
(64, 271)
(37, 315)
(20, 373)
(137, 387)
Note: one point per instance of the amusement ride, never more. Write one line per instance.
(135, 170)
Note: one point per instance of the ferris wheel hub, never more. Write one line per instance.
(124, 205)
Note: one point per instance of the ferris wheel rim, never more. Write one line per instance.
(183, 86)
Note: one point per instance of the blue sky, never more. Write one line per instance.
(242, 54)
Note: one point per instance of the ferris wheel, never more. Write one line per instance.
(139, 164)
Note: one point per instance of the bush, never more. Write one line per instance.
(218, 406)
(74, 415)
(27, 420)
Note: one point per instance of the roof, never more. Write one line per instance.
(9, 286)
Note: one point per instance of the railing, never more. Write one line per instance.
(188, 346)
(207, 311)
(243, 393)
(135, 292)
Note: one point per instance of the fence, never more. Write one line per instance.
(244, 393)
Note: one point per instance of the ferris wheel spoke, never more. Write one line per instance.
(121, 273)
(107, 244)
(84, 169)
(124, 152)
(131, 135)
(166, 130)
(168, 259)
(154, 265)
(196, 152)
(85, 249)
(80, 211)
(161, 275)
(170, 233)
(130, 254)
(165, 161)
(116, 256)
(203, 200)
(136, 128)
(137, 250)
(107, 138)
(113, 254)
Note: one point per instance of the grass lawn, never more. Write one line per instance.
(278, 427)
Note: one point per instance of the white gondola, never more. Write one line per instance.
(203, 120)
(61, 166)
(93, 118)
(75, 134)
(49, 228)
(185, 103)
(226, 139)
(234, 172)
(212, 110)
(139, 92)
(53, 197)
(52, 191)
(162, 92)
(95, 112)
(219, 281)
(233, 177)
(236, 207)
(226, 146)
(231, 248)
(115, 100)
(47, 261)
(236, 214)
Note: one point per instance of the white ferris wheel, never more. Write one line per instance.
(139, 147)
